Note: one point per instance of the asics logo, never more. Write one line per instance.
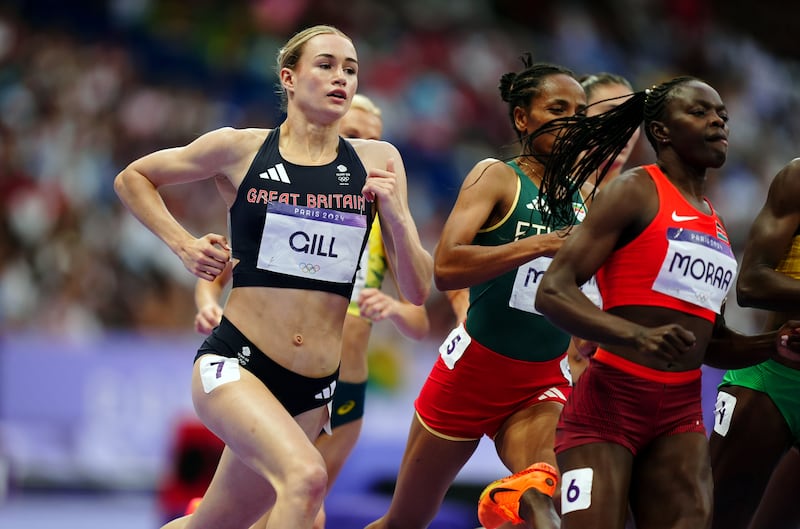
(346, 408)
(683, 218)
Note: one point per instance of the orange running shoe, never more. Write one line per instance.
(193, 505)
(499, 501)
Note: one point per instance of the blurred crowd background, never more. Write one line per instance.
(86, 87)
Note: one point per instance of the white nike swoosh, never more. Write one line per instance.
(683, 218)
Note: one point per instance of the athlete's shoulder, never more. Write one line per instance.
(372, 146)
(793, 166)
(232, 139)
(234, 133)
(789, 175)
(630, 193)
(634, 178)
(493, 164)
(489, 172)
(376, 153)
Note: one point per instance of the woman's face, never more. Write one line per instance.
(695, 124)
(325, 77)
(605, 97)
(559, 96)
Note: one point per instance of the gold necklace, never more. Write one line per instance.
(534, 174)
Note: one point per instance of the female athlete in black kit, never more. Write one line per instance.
(300, 201)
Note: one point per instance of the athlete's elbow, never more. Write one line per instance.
(545, 298)
(121, 184)
(419, 294)
(748, 293)
(446, 277)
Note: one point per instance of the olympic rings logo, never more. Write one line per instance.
(309, 268)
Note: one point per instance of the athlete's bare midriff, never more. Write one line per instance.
(299, 329)
(652, 316)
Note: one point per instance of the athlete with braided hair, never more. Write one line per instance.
(758, 407)
(606, 91)
(632, 430)
(503, 373)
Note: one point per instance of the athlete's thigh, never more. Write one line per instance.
(671, 485)
(355, 339)
(778, 508)
(236, 497)
(257, 427)
(428, 468)
(336, 448)
(594, 486)
(528, 436)
(747, 424)
(749, 438)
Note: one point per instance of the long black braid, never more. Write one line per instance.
(585, 144)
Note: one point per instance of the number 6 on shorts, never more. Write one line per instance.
(576, 490)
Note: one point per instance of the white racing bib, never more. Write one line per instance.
(453, 347)
(308, 242)
(576, 490)
(698, 268)
(723, 412)
(526, 285)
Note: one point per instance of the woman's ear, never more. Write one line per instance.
(659, 131)
(287, 78)
(521, 119)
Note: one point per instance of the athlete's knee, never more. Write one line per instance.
(701, 506)
(307, 478)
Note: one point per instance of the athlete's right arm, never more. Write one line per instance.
(207, 295)
(212, 154)
(484, 199)
(628, 203)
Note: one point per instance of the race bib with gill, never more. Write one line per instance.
(315, 243)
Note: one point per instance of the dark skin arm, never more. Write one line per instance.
(485, 198)
(730, 349)
(617, 215)
(759, 285)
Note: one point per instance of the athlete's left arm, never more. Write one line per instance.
(411, 320)
(759, 284)
(386, 185)
(730, 349)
